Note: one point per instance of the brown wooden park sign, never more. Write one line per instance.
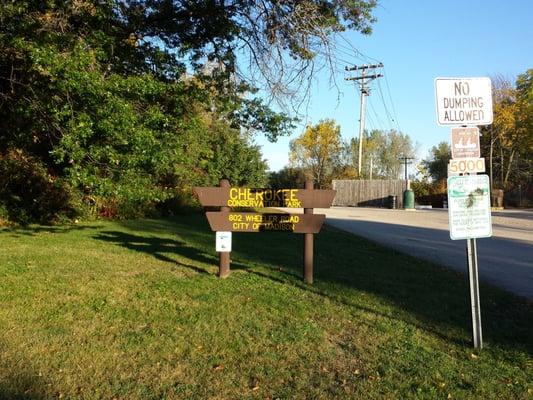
(227, 197)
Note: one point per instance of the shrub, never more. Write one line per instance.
(28, 193)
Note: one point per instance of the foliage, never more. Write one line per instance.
(288, 177)
(278, 42)
(232, 157)
(420, 188)
(322, 153)
(507, 144)
(29, 193)
(430, 193)
(436, 165)
(88, 93)
(383, 151)
(318, 151)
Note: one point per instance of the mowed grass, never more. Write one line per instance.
(134, 310)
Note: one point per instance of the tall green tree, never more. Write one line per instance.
(436, 165)
(126, 102)
(287, 177)
(382, 151)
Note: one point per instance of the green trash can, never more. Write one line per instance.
(408, 199)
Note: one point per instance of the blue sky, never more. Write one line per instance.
(418, 41)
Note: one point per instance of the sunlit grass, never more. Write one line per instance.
(134, 310)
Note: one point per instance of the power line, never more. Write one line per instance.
(387, 112)
(378, 118)
(349, 50)
(391, 101)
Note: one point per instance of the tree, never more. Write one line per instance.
(279, 41)
(383, 150)
(112, 120)
(124, 103)
(436, 165)
(288, 177)
(318, 151)
(507, 144)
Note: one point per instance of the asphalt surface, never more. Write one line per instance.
(504, 260)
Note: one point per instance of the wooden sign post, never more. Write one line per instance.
(224, 256)
(308, 244)
(226, 220)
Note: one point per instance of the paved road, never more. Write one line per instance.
(505, 259)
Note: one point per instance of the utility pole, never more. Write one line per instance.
(406, 160)
(363, 81)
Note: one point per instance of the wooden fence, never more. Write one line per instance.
(366, 193)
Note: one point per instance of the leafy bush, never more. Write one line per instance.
(421, 188)
(287, 177)
(430, 193)
(28, 193)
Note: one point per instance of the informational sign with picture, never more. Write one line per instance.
(465, 142)
(469, 207)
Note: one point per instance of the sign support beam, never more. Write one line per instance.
(308, 244)
(474, 292)
(224, 256)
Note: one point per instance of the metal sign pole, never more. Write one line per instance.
(474, 293)
(467, 197)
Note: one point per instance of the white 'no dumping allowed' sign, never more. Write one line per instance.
(464, 101)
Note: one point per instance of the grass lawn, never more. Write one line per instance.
(134, 310)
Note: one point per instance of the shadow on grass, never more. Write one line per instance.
(40, 229)
(26, 394)
(434, 298)
(295, 280)
(161, 248)
(439, 298)
(21, 382)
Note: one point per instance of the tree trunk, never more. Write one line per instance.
(502, 164)
(509, 167)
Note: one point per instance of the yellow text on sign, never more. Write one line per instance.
(467, 165)
(244, 197)
(263, 221)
